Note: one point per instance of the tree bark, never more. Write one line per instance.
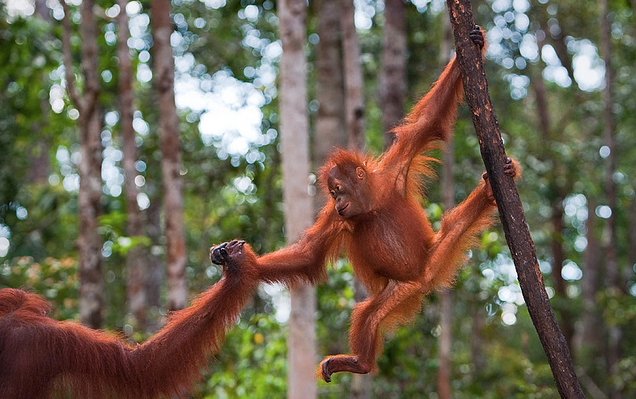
(298, 212)
(610, 240)
(330, 122)
(393, 77)
(170, 155)
(510, 208)
(354, 87)
(136, 258)
(556, 198)
(444, 371)
(89, 242)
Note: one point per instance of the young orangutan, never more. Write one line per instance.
(375, 213)
(41, 357)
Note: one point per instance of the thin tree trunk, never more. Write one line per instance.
(634, 13)
(42, 10)
(610, 239)
(444, 390)
(608, 140)
(136, 258)
(170, 156)
(89, 242)
(361, 384)
(91, 298)
(330, 129)
(592, 325)
(477, 342)
(155, 275)
(510, 208)
(631, 237)
(558, 255)
(556, 198)
(354, 87)
(330, 124)
(393, 77)
(444, 370)
(298, 212)
(39, 163)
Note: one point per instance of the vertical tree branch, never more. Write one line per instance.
(510, 208)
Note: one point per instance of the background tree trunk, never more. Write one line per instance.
(355, 121)
(591, 321)
(298, 212)
(444, 371)
(171, 155)
(89, 242)
(393, 74)
(39, 163)
(354, 87)
(477, 340)
(608, 141)
(330, 125)
(631, 239)
(136, 258)
(155, 275)
(508, 201)
(329, 131)
(556, 198)
(610, 241)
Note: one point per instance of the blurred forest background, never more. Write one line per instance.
(88, 88)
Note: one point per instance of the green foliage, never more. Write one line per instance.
(26, 58)
(55, 279)
(42, 221)
(251, 363)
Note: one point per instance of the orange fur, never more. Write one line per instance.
(375, 213)
(40, 356)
